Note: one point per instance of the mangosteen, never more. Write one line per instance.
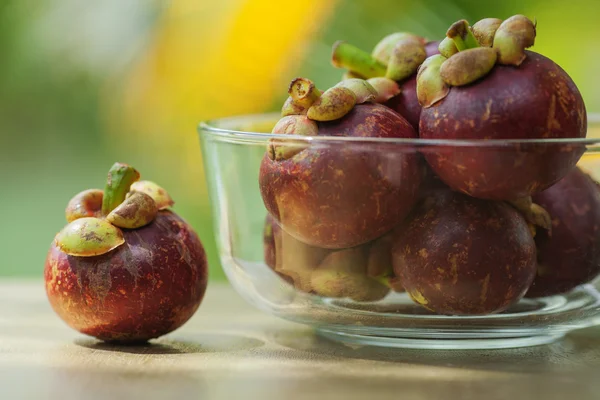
(126, 268)
(569, 253)
(270, 230)
(338, 195)
(379, 263)
(290, 258)
(486, 86)
(362, 273)
(459, 255)
(397, 57)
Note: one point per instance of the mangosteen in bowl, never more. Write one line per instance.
(486, 86)
(473, 230)
(342, 196)
(451, 271)
(569, 252)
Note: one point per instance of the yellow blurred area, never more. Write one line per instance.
(212, 59)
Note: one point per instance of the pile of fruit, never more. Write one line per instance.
(485, 213)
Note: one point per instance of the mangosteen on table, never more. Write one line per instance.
(337, 195)
(397, 56)
(569, 253)
(484, 85)
(458, 255)
(126, 268)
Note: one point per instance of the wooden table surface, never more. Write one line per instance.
(231, 351)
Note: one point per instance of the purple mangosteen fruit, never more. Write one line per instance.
(458, 255)
(126, 268)
(485, 86)
(338, 195)
(569, 253)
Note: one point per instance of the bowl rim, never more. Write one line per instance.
(212, 127)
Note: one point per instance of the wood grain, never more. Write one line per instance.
(230, 351)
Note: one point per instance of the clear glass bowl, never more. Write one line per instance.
(269, 268)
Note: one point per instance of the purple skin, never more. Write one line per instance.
(337, 197)
(536, 100)
(431, 183)
(431, 47)
(458, 255)
(146, 288)
(570, 255)
(406, 103)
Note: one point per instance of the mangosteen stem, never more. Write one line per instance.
(303, 92)
(345, 55)
(120, 178)
(461, 34)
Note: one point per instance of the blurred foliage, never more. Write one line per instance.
(83, 84)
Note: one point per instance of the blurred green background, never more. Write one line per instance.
(84, 84)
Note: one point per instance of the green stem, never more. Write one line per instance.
(461, 34)
(360, 62)
(120, 178)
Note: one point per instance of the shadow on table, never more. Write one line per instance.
(579, 350)
(199, 343)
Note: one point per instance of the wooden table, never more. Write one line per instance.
(231, 351)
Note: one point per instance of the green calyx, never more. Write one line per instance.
(120, 178)
(362, 89)
(470, 53)
(343, 274)
(384, 50)
(95, 217)
(397, 57)
(160, 196)
(407, 55)
(512, 38)
(533, 213)
(385, 89)
(468, 66)
(85, 204)
(307, 100)
(485, 31)
(138, 209)
(338, 284)
(291, 108)
(89, 236)
(335, 103)
(299, 125)
(447, 48)
(431, 88)
(302, 109)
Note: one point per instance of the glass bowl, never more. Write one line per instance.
(275, 271)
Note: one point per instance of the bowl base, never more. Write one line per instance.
(397, 321)
(354, 339)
